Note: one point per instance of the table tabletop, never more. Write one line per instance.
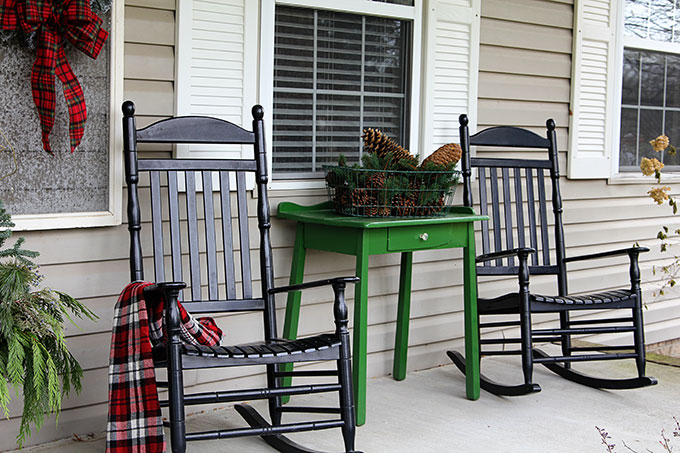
(323, 214)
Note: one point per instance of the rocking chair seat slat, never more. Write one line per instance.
(277, 347)
(509, 303)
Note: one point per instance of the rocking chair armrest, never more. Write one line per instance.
(630, 251)
(314, 284)
(161, 288)
(520, 252)
(170, 292)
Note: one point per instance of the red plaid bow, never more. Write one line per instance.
(54, 20)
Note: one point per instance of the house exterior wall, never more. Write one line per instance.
(524, 78)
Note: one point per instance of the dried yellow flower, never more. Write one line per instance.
(650, 166)
(659, 194)
(660, 143)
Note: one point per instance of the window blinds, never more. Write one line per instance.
(334, 75)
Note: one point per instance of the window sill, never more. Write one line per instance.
(638, 178)
(40, 222)
(296, 184)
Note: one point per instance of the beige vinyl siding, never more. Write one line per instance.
(525, 65)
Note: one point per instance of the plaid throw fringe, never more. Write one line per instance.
(134, 422)
(55, 20)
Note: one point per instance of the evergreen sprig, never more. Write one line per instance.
(33, 353)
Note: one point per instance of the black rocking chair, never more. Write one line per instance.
(512, 192)
(181, 216)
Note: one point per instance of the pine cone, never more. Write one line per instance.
(359, 199)
(434, 208)
(371, 209)
(375, 180)
(375, 141)
(384, 211)
(403, 206)
(341, 199)
(445, 155)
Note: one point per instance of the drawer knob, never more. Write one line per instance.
(424, 236)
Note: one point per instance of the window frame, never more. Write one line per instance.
(632, 42)
(389, 10)
(114, 214)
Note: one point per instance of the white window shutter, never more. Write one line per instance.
(451, 66)
(595, 68)
(216, 67)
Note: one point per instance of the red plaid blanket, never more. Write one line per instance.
(134, 423)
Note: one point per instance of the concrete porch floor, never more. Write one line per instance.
(428, 412)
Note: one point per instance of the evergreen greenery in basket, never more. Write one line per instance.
(33, 352)
(390, 182)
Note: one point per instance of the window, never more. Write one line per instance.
(650, 97)
(64, 190)
(336, 73)
(325, 70)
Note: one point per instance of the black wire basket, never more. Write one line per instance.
(363, 192)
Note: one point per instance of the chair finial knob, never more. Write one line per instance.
(550, 124)
(463, 120)
(258, 112)
(128, 108)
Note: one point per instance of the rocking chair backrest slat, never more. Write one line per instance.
(495, 212)
(210, 240)
(192, 227)
(227, 236)
(519, 200)
(157, 225)
(545, 248)
(484, 209)
(175, 235)
(244, 234)
(531, 211)
(197, 207)
(507, 209)
(512, 192)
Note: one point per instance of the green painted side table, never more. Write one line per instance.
(319, 228)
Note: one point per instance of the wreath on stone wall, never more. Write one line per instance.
(46, 25)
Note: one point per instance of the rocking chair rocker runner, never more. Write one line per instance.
(512, 192)
(174, 220)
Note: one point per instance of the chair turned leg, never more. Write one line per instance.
(527, 359)
(274, 403)
(175, 379)
(176, 399)
(565, 341)
(639, 339)
(347, 402)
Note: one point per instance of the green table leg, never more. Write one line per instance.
(297, 273)
(403, 315)
(471, 320)
(360, 328)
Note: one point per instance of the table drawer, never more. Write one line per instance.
(418, 237)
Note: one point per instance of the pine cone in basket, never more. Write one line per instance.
(376, 142)
(341, 198)
(384, 211)
(371, 208)
(403, 206)
(434, 208)
(446, 155)
(375, 180)
(359, 198)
